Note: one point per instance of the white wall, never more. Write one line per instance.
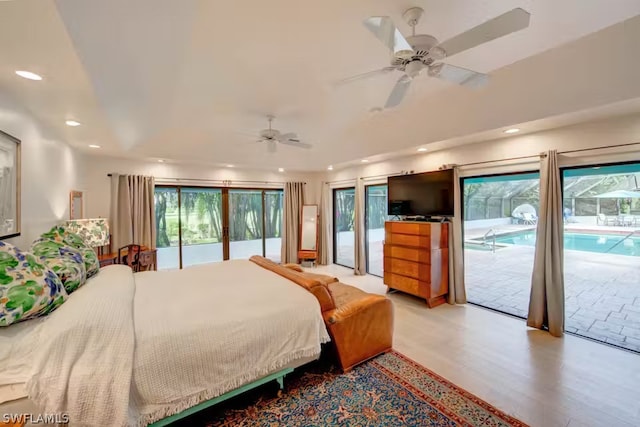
(50, 170)
(619, 130)
(97, 184)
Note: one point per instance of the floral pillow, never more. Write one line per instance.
(28, 288)
(66, 262)
(62, 235)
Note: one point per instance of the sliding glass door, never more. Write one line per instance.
(197, 225)
(273, 202)
(602, 253)
(167, 227)
(201, 225)
(343, 226)
(246, 223)
(375, 217)
(500, 215)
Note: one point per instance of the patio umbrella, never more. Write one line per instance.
(521, 209)
(619, 194)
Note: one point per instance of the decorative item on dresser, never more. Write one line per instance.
(416, 259)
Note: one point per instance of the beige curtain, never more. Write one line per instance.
(133, 217)
(325, 254)
(546, 305)
(457, 291)
(360, 257)
(293, 201)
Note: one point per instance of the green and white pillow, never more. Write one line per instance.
(61, 234)
(28, 288)
(65, 261)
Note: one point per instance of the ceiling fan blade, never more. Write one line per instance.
(271, 146)
(507, 23)
(296, 143)
(385, 30)
(398, 92)
(287, 136)
(366, 75)
(459, 75)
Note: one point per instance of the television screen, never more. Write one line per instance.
(421, 194)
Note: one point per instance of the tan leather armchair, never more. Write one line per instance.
(360, 324)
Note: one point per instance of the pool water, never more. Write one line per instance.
(601, 243)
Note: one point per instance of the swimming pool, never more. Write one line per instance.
(601, 243)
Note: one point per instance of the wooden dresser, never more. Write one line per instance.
(416, 259)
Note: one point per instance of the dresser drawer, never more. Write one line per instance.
(410, 254)
(415, 228)
(401, 283)
(410, 240)
(408, 269)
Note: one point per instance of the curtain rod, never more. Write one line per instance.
(222, 181)
(541, 155)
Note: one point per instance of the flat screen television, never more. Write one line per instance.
(422, 194)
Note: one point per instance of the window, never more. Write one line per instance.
(198, 225)
(602, 253)
(375, 217)
(500, 215)
(343, 226)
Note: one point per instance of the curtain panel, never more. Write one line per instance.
(325, 249)
(546, 304)
(457, 290)
(293, 201)
(132, 216)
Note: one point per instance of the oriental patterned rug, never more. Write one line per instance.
(390, 390)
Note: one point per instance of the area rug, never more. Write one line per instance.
(390, 390)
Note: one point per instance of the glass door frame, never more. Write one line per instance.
(225, 214)
(462, 220)
(366, 221)
(335, 228)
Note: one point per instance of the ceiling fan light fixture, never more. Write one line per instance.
(229, 166)
(28, 75)
(330, 168)
(94, 146)
(72, 123)
(512, 130)
(364, 161)
(422, 150)
(280, 169)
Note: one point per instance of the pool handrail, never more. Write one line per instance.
(623, 239)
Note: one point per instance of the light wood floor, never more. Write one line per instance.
(542, 380)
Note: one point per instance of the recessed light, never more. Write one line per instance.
(229, 166)
(280, 170)
(422, 150)
(330, 168)
(364, 161)
(28, 75)
(160, 161)
(72, 123)
(94, 146)
(512, 130)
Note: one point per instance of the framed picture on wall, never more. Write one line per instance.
(9, 186)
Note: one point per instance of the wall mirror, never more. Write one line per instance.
(75, 205)
(309, 228)
(9, 186)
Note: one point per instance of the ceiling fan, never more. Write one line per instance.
(413, 54)
(271, 137)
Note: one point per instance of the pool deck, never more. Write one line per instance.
(602, 291)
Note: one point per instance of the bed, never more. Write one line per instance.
(132, 349)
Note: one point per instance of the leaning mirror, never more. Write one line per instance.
(309, 229)
(75, 205)
(9, 186)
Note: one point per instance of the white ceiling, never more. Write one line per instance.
(187, 80)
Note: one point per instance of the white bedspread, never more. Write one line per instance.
(108, 357)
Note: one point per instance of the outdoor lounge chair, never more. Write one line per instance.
(602, 219)
(529, 218)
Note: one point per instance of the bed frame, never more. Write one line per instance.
(278, 376)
